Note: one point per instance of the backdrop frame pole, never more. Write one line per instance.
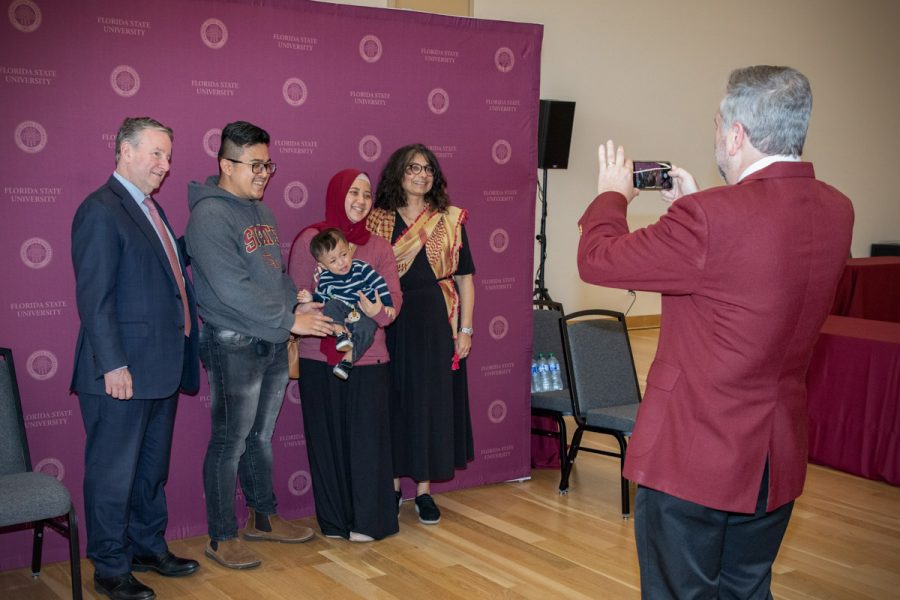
(540, 290)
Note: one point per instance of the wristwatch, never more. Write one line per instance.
(466, 330)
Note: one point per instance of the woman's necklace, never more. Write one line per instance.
(409, 217)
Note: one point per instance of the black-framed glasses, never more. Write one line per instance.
(256, 167)
(416, 168)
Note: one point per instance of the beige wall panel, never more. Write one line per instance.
(462, 8)
(650, 74)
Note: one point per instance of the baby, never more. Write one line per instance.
(341, 279)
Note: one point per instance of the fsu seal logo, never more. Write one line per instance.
(31, 137)
(51, 466)
(41, 365)
(36, 253)
(370, 48)
(296, 195)
(499, 240)
(299, 483)
(24, 15)
(293, 392)
(438, 101)
(497, 411)
(213, 33)
(370, 148)
(498, 328)
(212, 139)
(294, 91)
(501, 152)
(125, 81)
(504, 59)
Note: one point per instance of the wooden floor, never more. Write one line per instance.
(523, 540)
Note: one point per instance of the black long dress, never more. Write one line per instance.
(431, 429)
(346, 425)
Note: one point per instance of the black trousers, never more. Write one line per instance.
(686, 550)
(348, 441)
(126, 465)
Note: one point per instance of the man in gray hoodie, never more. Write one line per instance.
(247, 305)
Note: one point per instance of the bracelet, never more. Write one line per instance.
(466, 330)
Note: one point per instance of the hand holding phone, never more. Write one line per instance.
(683, 184)
(614, 172)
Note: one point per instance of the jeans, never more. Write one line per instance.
(247, 378)
(362, 332)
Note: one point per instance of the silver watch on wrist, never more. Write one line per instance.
(466, 330)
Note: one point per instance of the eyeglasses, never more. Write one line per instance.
(256, 167)
(416, 168)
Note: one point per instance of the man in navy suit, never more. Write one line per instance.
(137, 347)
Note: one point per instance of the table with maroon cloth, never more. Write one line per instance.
(869, 289)
(854, 398)
(544, 449)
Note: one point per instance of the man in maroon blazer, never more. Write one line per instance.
(747, 274)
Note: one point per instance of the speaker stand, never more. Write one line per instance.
(540, 290)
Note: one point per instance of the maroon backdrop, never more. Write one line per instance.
(336, 87)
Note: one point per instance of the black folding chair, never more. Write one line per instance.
(547, 323)
(605, 390)
(30, 500)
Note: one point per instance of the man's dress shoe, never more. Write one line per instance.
(165, 564)
(123, 587)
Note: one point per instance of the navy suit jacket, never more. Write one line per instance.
(128, 300)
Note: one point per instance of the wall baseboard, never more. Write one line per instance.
(643, 322)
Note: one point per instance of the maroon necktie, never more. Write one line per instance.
(173, 260)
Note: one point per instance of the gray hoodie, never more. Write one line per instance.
(239, 278)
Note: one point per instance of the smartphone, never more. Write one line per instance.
(652, 175)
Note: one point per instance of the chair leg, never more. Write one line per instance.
(626, 500)
(37, 549)
(570, 460)
(74, 555)
(563, 454)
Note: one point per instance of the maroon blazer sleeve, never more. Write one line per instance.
(666, 257)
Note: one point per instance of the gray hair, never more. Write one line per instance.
(131, 128)
(772, 104)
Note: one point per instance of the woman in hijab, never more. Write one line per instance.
(346, 421)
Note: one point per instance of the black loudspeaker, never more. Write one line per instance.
(555, 133)
(886, 249)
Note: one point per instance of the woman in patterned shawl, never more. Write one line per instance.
(430, 425)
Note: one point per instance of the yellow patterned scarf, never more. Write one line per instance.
(440, 234)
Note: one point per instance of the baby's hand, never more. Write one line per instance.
(303, 296)
(389, 311)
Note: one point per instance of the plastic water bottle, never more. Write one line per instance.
(544, 368)
(534, 375)
(555, 374)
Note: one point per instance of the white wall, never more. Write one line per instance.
(650, 73)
